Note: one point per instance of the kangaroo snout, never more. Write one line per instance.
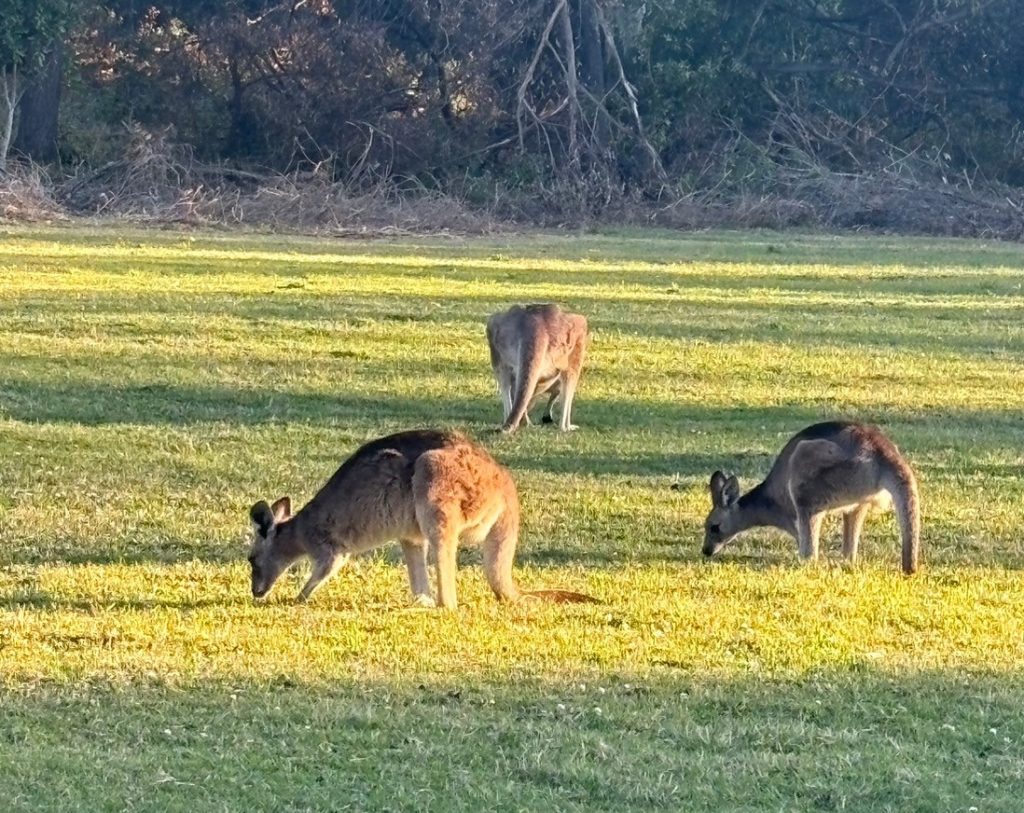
(711, 548)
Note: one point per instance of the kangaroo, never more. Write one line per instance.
(423, 488)
(536, 349)
(841, 467)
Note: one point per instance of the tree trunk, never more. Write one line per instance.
(237, 142)
(8, 104)
(592, 68)
(37, 112)
(571, 81)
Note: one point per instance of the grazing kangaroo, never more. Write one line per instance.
(848, 468)
(422, 488)
(536, 349)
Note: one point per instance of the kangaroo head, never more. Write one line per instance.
(268, 558)
(723, 522)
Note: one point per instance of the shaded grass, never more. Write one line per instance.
(153, 385)
(854, 741)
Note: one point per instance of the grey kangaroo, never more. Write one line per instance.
(536, 349)
(424, 488)
(847, 468)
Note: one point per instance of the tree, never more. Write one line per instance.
(37, 113)
(31, 31)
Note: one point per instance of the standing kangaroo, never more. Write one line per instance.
(841, 467)
(536, 349)
(422, 488)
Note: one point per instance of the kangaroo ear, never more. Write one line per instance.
(730, 491)
(282, 509)
(262, 517)
(716, 486)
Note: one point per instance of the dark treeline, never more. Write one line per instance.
(583, 102)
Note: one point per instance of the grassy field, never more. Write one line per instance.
(153, 385)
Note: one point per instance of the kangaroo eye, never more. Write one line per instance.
(715, 529)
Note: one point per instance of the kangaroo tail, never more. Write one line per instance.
(499, 550)
(499, 546)
(531, 350)
(563, 596)
(901, 484)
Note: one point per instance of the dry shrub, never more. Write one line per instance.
(26, 194)
(311, 200)
(903, 198)
(906, 205)
(160, 182)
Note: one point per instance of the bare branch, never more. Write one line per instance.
(613, 51)
(521, 104)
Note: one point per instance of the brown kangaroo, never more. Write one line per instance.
(423, 487)
(536, 349)
(847, 468)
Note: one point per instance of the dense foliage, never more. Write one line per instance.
(616, 96)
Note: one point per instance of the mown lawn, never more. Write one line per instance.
(154, 384)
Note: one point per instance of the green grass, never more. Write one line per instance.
(153, 385)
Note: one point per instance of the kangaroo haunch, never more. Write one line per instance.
(421, 488)
(536, 349)
(847, 468)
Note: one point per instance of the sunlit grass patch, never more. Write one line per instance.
(154, 385)
(181, 622)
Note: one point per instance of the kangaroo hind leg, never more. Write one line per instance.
(549, 412)
(442, 531)
(415, 554)
(853, 522)
(567, 385)
(436, 485)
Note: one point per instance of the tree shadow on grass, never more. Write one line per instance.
(745, 439)
(159, 404)
(863, 322)
(156, 404)
(679, 551)
(532, 550)
(749, 438)
(605, 247)
(850, 736)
